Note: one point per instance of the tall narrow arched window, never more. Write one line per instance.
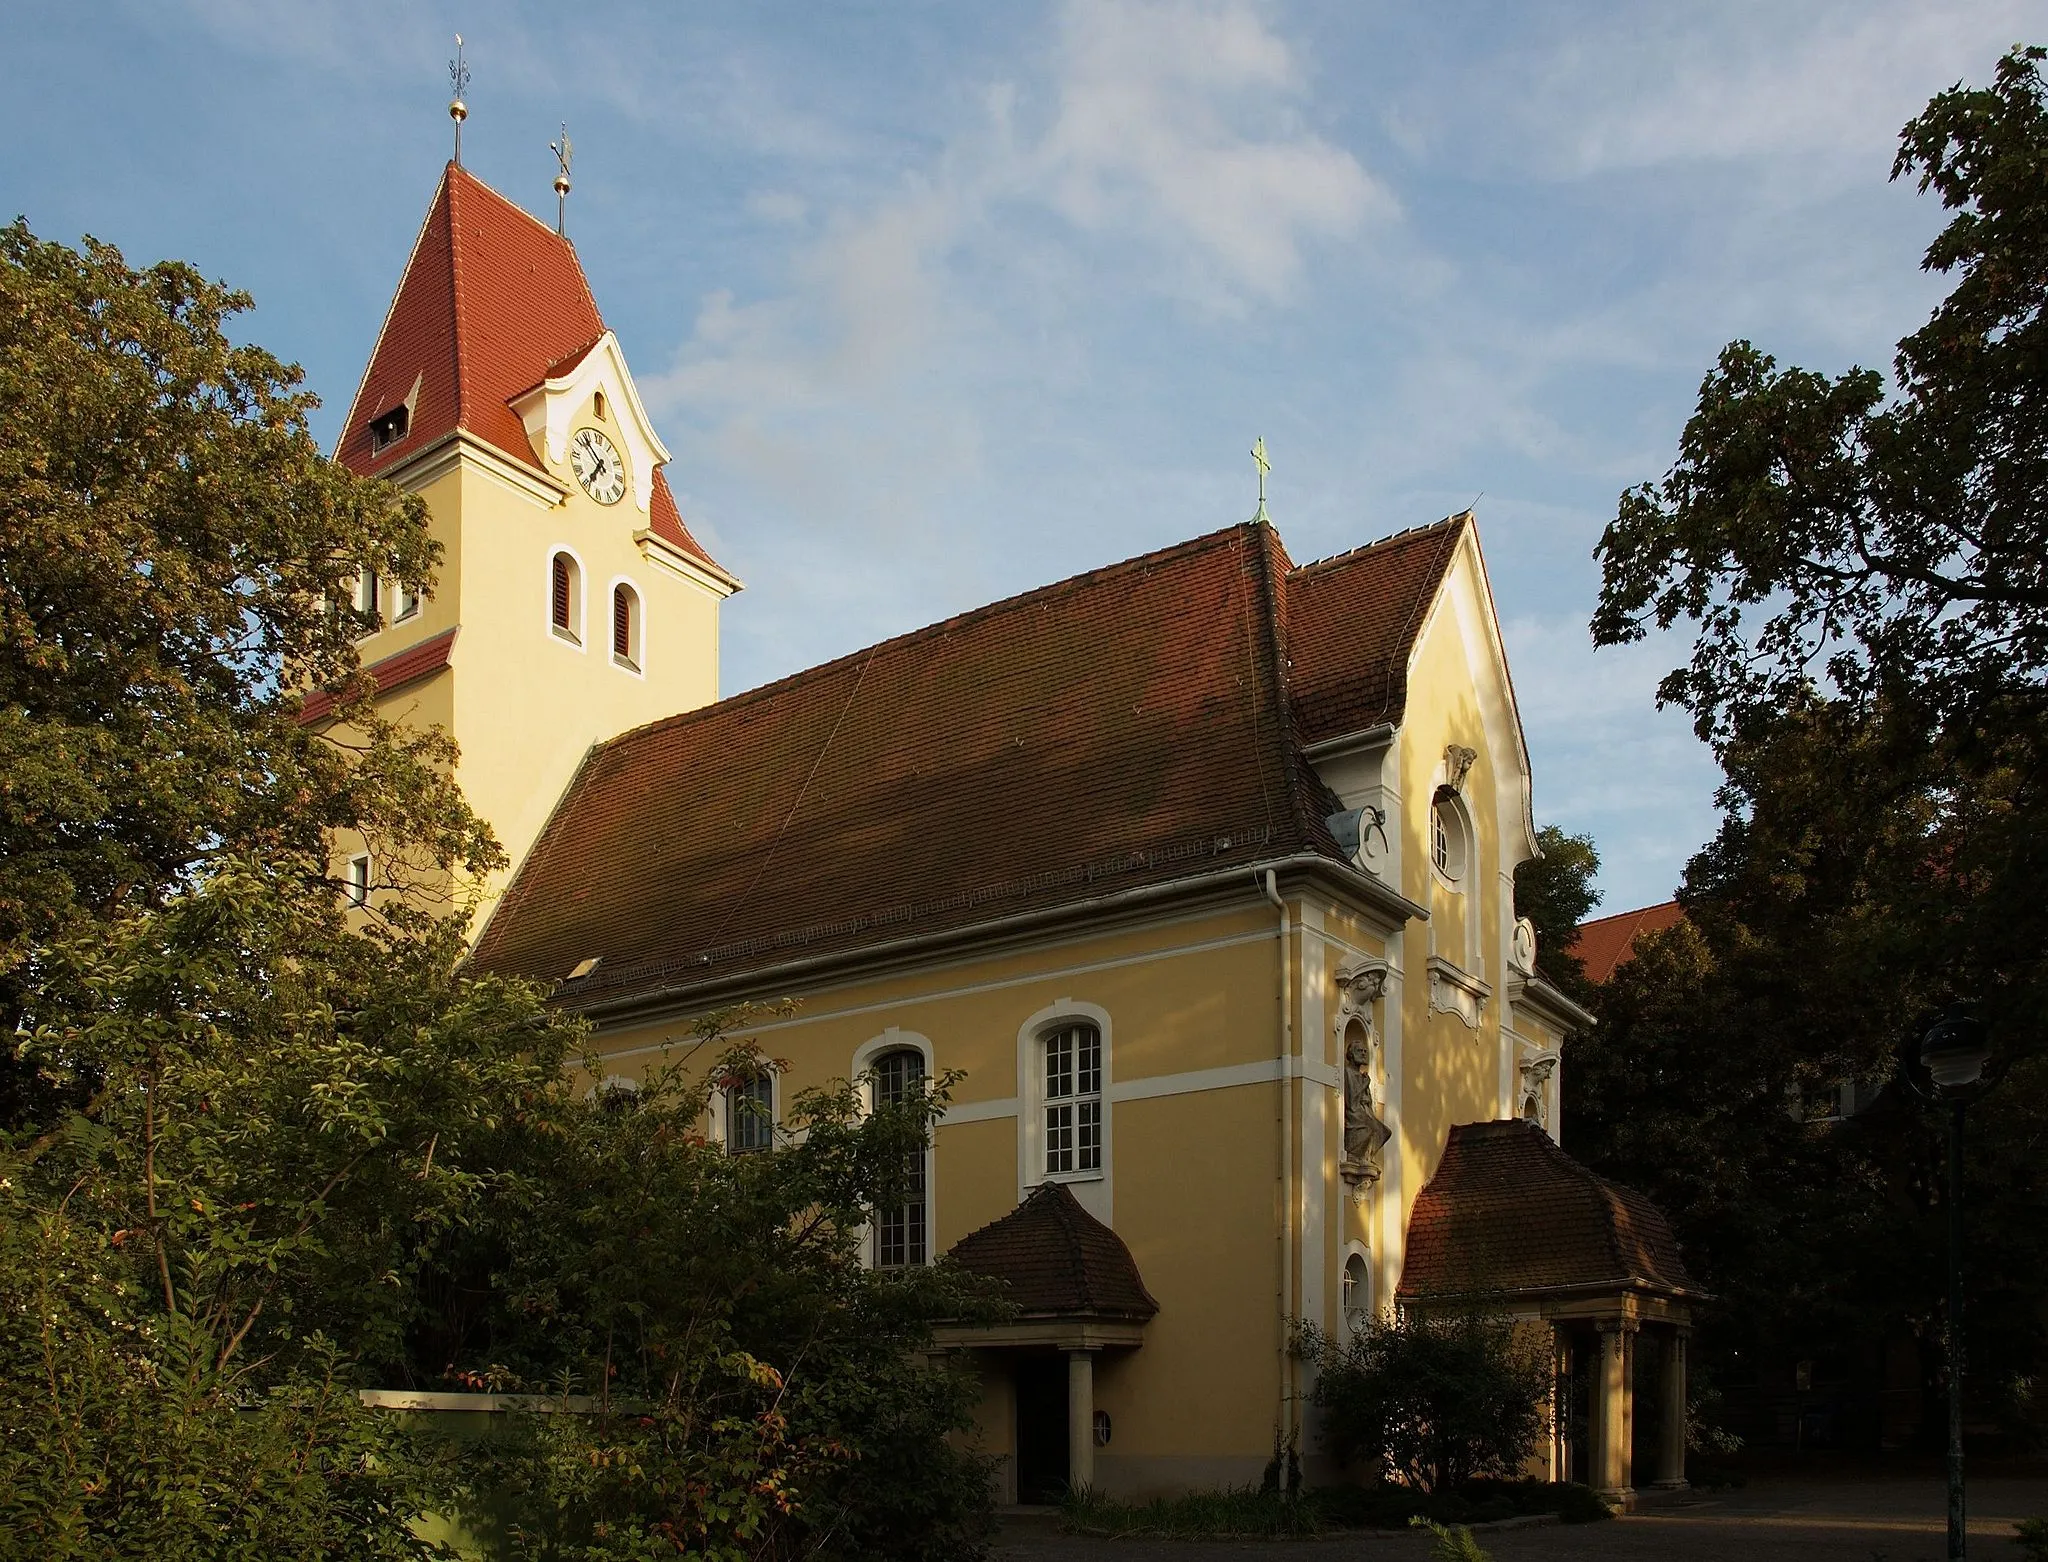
(1073, 1098)
(626, 626)
(368, 598)
(900, 1229)
(750, 1114)
(565, 597)
(1357, 1293)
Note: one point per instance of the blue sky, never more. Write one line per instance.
(938, 301)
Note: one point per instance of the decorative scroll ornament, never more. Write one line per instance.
(1522, 949)
(1536, 1074)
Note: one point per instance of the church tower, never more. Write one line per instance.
(572, 603)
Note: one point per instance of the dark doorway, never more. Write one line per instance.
(1041, 1428)
(1574, 1407)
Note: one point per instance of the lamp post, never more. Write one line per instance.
(1954, 1052)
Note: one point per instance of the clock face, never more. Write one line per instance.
(599, 466)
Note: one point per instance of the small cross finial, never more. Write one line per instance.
(458, 82)
(562, 150)
(1264, 466)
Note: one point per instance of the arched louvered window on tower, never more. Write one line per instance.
(565, 597)
(626, 626)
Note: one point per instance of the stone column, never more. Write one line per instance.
(1614, 1429)
(1080, 1419)
(1671, 1435)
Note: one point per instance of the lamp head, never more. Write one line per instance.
(1954, 1051)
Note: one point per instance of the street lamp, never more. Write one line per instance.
(1954, 1052)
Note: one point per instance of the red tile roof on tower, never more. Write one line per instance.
(1057, 1260)
(1510, 1213)
(1113, 732)
(1607, 942)
(492, 302)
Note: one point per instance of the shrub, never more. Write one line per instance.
(1432, 1402)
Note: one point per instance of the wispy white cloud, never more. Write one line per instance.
(1818, 91)
(1181, 119)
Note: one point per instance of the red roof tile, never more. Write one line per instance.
(1057, 1260)
(393, 672)
(1606, 942)
(492, 302)
(1118, 729)
(1508, 1213)
(1354, 620)
(1121, 729)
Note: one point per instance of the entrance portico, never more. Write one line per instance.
(1079, 1297)
(1512, 1224)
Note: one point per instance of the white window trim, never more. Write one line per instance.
(864, 1058)
(577, 636)
(406, 603)
(357, 896)
(637, 666)
(1031, 1034)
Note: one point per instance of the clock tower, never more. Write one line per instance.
(572, 602)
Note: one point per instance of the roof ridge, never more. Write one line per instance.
(1407, 533)
(490, 189)
(1617, 916)
(456, 313)
(384, 326)
(1189, 548)
(1273, 616)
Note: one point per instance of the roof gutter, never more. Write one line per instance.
(1395, 907)
(1547, 1000)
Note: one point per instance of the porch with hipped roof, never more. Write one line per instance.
(1512, 1224)
(1077, 1291)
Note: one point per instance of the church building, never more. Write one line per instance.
(1199, 866)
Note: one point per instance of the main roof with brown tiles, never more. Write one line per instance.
(1607, 942)
(1058, 1261)
(1122, 729)
(1509, 1213)
(492, 302)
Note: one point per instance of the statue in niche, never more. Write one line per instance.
(1365, 1134)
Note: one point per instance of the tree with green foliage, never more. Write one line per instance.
(1555, 891)
(1860, 561)
(1431, 1401)
(258, 1152)
(712, 1310)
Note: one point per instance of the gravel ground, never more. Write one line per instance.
(1839, 1520)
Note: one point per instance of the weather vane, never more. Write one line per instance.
(562, 151)
(1264, 466)
(458, 80)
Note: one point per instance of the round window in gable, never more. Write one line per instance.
(1450, 836)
